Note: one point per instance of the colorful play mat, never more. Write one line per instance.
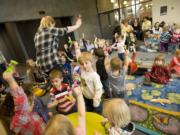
(155, 108)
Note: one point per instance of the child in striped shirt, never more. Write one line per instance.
(61, 94)
(164, 39)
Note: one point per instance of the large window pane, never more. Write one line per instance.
(114, 18)
(107, 25)
(144, 9)
(127, 12)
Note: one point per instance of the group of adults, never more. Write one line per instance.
(134, 25)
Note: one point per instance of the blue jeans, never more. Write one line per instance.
(174, 47)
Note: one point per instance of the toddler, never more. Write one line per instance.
(159, 72)
(90, 83)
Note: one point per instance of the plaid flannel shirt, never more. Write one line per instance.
(46, 44)
(2, 58)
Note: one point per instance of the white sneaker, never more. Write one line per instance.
(150, 50)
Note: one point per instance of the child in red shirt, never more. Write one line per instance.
(61, 94)
(159, 72)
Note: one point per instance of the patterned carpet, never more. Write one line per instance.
(155, 107)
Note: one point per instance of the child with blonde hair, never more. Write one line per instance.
(60, 125)
(118, 115)
(159, 72)
(34, 74)
(175, 63)
(117, 71)
(90, 83)
(120, 46)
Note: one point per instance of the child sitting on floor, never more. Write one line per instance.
(61, 94)
(67, 50)
(23, 121)
(38, 106)
(117, 114)
(34, 75)
(175, 63)
(159, 72)
(117, 71)
(60, 125)
(90, 83)
(66, 69)
(148, 42)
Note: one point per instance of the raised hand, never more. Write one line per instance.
(8, 76)
(77, 91)
(79, 21)
(127, 53)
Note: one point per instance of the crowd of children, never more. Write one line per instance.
(79, 85)
(162, 38)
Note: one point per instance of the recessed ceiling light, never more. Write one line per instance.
(125, 2)
(115, 5)
(112, 1)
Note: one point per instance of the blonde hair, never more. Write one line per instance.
(59, 125)
(177, 52)
(55, 74)
(116, 64)
(165, 28)
(30, 63)
(47, 21)
(117, 112)
(159, 57)
(85, 56)
(101, 42)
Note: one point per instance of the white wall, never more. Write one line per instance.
(173, 11)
